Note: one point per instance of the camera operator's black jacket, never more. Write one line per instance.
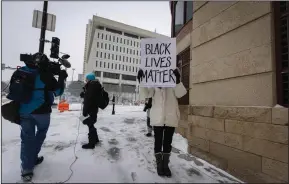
(91, 94)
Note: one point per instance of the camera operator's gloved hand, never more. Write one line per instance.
(178, 76)
(140, 75)
(82, 94)
(63, 74)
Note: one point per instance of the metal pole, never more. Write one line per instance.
(72, 73)
(43, 27)
(113, 105)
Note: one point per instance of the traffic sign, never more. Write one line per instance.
(37, 20)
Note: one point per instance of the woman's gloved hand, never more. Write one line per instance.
(178, 76)
(140, 75)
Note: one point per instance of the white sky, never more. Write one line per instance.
(18, 35)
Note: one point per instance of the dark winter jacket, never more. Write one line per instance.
(91, 95)
(42, 100)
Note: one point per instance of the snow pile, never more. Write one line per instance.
(180, 143)
(125, 154)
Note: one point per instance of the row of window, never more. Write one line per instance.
(117, 49)
(115, 66)
(117, 57)
(118, 39)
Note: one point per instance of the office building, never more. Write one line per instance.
(112, 51)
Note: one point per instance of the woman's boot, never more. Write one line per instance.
(166, 160)
(159, 160)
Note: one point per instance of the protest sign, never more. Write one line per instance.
(158, 61)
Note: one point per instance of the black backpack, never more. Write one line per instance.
(22, 86)
(104, 99)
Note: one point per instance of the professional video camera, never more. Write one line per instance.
(43, 63)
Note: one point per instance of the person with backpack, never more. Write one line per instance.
(34, 89)
(92, 96)
(148, 106)
(164, 116)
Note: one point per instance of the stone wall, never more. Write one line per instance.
(231, 54)
(251, 143)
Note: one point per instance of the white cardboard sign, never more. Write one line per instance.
(158, 61)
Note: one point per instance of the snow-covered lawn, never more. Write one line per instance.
(124, 155)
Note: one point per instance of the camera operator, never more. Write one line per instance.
(36, 112)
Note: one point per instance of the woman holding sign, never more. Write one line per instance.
(164, 118)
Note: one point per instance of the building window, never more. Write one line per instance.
(126, 59)
(104, 46)
(183, 12)
(133, 60)
(96, 53)
(106, 37)
(101, 36)
(116, 39)
(104, 55)
(123, 67)
(112, 57)
(108, 46)
(129, 68)
(126, 68)
(100, 54)
(130, 59)
(113, 38)
(108, 65)
(281, 21)
(189, 10)
(98, 35)
(109, 37)
(116, 48)
(183, 63)
(113, 48)
(123, 57)
(111, 75)
(101, 45)
(129, 77)
(97, 73)
(104, 64)
(100, 64)
(108, 56)
(119, 66)
(97, 44)
(120, 40)
(119, 58)
(96, 63)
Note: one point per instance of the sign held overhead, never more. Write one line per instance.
(158, 61)
(37, 20)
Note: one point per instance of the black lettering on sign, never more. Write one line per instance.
(165, 73)
(172, 75)
(148, 49)
(160, 49)
(146, 65)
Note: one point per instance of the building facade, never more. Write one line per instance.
(112, 51)
(233, 57)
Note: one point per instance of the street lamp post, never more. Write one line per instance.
(113, 105)
(72, 73)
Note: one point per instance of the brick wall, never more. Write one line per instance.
(251, 143)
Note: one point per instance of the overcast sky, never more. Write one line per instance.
(18, 35)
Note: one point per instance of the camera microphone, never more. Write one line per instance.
(65, 63)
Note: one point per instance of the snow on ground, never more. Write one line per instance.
(124, 155)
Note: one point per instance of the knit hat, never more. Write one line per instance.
(90, 76)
